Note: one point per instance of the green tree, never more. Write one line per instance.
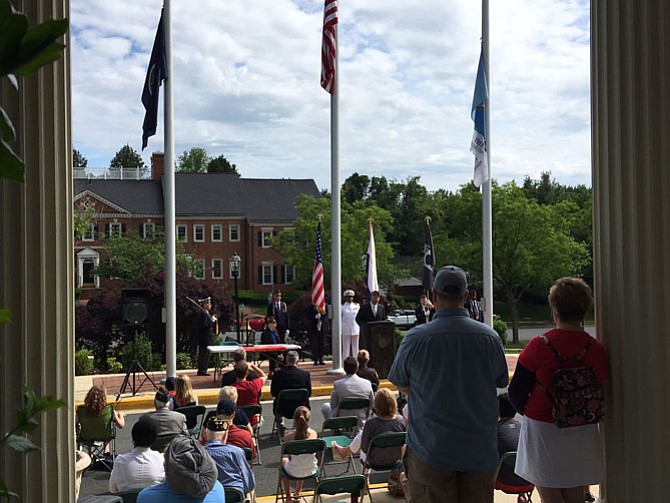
(297, 246)
(193, 161)
(81, 221)
(221, 165)
(132, 258)
(355, 188)
(127, 157)
(78, 160)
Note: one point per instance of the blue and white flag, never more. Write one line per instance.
(371, 266)
(478, 145)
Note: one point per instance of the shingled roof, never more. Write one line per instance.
(207, 194)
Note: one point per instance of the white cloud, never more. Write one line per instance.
(246, 77)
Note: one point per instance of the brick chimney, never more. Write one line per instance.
(157, 165)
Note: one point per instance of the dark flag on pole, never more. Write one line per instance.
(156, 74)
(428, 259)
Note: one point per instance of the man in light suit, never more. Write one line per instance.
(350, 329)
(279, 310)
(373, 311)
(351, 386)
(167, 421)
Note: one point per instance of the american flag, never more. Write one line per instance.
(318, 294)
(329, 46)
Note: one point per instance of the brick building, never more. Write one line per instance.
(217, 215)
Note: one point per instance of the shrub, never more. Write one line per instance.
(184, 361)
(143, 353)
(113, 365)
(83, 362)
(501, 327)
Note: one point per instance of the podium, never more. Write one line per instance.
(378, 337)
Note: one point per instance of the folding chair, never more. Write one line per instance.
(233, 495)
(95, 433)
(338, 425)
(289, 399)
(251, 411)
(384, 454)
(354, 485)
(314, 446)
(351, 405)
(192, 413)
(162, 441)
(509, 482)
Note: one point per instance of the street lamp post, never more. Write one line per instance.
(235, 271)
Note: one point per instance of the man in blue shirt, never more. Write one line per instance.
(450, 368)
(231, 463)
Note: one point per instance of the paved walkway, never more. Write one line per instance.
(205, 386)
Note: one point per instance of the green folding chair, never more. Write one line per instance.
(384, 454)
(233, 495)
(353, 485)
(95, 433)
(195, 417)
(349, 405)
(295, 398)
(129, 495)
(338, 425)
(314, 446)
(252, 411)
(163, 440)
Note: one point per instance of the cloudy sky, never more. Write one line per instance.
(246, 77)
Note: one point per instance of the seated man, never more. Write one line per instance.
(239, 437)
(168, 421)
(248, 391)
(140, 467)
(351, 386)
(508, 441)
(190, 475)
(228, 379)
(231, 463)
(290, 377)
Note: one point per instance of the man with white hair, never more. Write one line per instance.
(350, 329)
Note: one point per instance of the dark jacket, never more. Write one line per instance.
(283, 320)
(291, 377)
(365, 314)
(421, 315)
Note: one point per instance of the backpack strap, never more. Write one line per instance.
(562, 358)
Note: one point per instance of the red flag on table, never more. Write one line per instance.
(329, 46)
(318, 293)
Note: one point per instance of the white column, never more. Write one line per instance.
(37, 274)
(631, 182)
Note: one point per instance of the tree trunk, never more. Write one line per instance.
(513, 304)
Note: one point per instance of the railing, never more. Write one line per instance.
(112, 173)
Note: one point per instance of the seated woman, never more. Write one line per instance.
(95, 405)
(301, 465)
(366, 372)
(184, 395)
(386, 420)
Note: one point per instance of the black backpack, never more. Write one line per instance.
(576, 394)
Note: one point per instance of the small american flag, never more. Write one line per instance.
(329, 46)
(318, 294)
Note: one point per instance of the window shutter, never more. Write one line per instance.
(260, 238)
(283, 275)
(95, 231)
(107, 231)
(260, 274)
(274, 233)
(275, 279)
(123, 229)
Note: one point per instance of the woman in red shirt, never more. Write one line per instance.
(560, 461)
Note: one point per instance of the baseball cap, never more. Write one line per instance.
(162, 395)
(225, 409)
(451, 280)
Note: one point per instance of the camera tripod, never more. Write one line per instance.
(134, 367)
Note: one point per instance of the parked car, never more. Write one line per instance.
(403, 318)
(256, 322)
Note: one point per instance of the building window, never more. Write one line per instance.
(199, 233)
(267, 273)
(217, 233)
(89, 235)
(148, 230)
(199, 268)
(289, 274)
(234, 232)
(266, 238)
(182, 233)
(217, 268)
(115, 230)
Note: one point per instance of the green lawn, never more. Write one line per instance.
(529, 314)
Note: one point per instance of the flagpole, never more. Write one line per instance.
(169, 198)
(335, 219)
(487, 228)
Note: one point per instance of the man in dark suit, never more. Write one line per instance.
(373, 311)
(291, 377)
(279, 310)
(424, 311)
